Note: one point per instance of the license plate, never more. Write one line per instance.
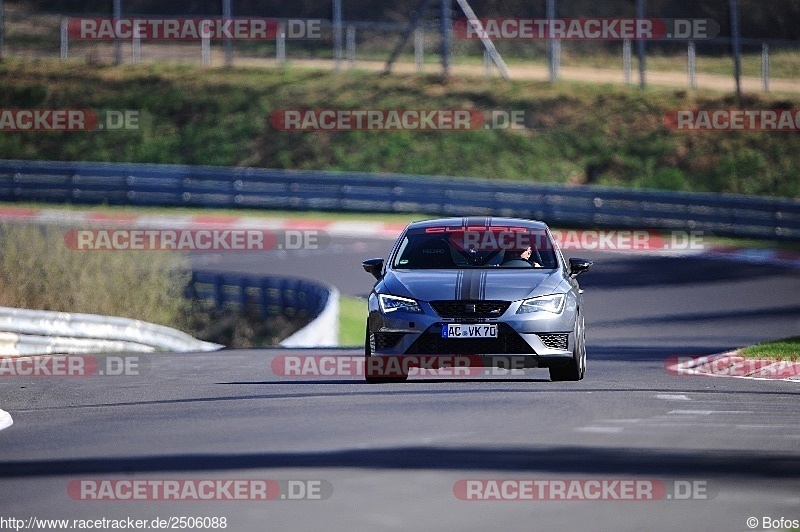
(468, 330)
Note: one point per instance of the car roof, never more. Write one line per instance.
(478, 221)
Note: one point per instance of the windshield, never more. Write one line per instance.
(437, 248)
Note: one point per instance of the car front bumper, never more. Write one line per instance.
(538, 337)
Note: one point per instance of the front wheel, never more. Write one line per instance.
(573, 369)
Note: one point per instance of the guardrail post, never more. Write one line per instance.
(765, 66)
(692, 64)
(64, 38)
(351, 47)
(218, 292)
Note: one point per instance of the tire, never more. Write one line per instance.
(371, 379)
(575, 368)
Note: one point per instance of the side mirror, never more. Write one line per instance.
(374, 267)
(578, 266)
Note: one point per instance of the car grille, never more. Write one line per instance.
(554, 340)
(507, 342)
(470, 309)
(386, 340)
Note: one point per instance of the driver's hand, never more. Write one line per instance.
(527, 253)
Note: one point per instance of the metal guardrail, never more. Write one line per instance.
(274, 296)
(33, 332)
(580, 206)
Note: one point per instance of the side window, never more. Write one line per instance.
(399, 260)
(559, 255)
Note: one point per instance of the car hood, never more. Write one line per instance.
(507, 285)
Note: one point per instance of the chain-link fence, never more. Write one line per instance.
(767, 64)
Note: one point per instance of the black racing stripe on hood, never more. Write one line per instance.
(471, 285)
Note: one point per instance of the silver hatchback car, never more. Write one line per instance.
(489, 287)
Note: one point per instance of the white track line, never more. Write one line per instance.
(5, 420)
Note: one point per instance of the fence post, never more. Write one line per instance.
(205, 43)
(419, 48)
(737, 62)
(557, 58)
(64, 38)
(765, 66)
(280, 45)
(2, 30)
(337, 34)
(227, 44)
(136, 44)
(350, 38)
(692, 60)
(641, 50)
(117, 42)
(626, 60)
(445, 28)
(550, 10)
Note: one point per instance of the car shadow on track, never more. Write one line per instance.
(556, 459)
(312, 390)
(620, 272)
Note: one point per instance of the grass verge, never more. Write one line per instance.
(352, 318)
(39, 272)
(575, 133)
(786, 348)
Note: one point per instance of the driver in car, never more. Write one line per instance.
(526, 255)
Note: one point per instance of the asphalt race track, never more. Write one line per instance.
(393, 457)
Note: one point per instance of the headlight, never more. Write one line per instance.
(553, 303)
(392, 303)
